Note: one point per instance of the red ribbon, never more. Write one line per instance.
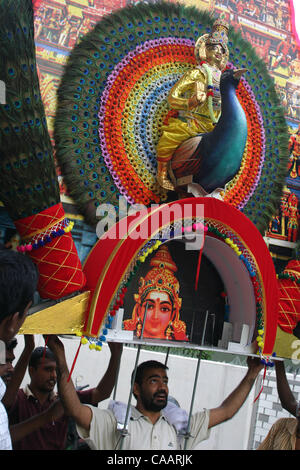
(262, 385)
(199, 263)
(74, 362)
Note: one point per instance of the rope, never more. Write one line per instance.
(74, 362)
(199, 263)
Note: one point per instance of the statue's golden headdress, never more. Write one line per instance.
(218, 35)
(160, 278)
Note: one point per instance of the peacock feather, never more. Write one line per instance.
(29, 186)
(112, 104)
(28, 175)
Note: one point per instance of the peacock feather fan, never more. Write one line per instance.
(112, 104)
(28, 176)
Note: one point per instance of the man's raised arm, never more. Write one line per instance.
(82, 414)
(235, 400)
(13, 386)
(287, 399)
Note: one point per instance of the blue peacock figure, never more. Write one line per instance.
(114, 107)
(215, 157)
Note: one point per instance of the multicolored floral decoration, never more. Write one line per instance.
(150, 246)
(132, 111)
(133, 107)
(112, 110)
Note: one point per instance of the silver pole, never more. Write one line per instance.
(167, 356)
(117, 378)
(204, 328)
(124, 431)
(213, 328)
(187, 434)
(144, 320)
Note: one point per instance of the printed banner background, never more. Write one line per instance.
(266, 24)
(208, 296)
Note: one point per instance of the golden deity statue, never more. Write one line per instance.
(196, 97)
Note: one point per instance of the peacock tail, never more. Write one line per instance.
(29, 186)
(28, 175)
(112, 104)
(257, 188)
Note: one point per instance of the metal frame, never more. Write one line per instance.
(124, 431)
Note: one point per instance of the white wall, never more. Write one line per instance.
(215, 382)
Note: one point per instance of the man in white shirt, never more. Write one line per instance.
(149, 427)
(5, 440)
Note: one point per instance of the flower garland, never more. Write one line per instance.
(210, 92)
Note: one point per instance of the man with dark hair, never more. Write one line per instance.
(18, 282)
(12, 380)
(33, 427)
(149, 402)
(39, 353)
(34, 400)
(148, 427)
(138, 378)
(10, 356)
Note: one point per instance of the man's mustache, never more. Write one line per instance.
(161, 393)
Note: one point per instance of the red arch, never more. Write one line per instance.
(110, 259)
